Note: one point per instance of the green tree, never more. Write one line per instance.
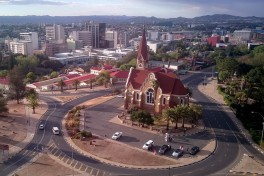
(28, 64)
(142, 117)
(30, 77)
(16, 83)
(32, 98)
(76, 83)
(54, 74)
(3, 105)
(169, 116)
(3, 73)
(103, 78)
(61, 84)
(195, 112)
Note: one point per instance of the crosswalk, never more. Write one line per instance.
(76, 165)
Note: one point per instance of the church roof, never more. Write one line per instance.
(168, 81)
(143, 49)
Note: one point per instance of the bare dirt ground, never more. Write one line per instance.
(13, 125)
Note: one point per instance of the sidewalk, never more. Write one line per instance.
(247, 164)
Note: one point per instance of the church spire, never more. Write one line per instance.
(142, 57)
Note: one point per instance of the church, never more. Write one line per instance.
(152, 89)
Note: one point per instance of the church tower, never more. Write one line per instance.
(142, 57)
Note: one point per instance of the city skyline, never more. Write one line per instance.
(157, 8)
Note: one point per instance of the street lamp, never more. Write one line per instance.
(262, 124)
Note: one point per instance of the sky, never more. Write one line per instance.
(156, 8)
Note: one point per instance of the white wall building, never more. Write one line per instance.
(84, 36)
(31, 37)
(21, 47)
(71, 58)
(243, 35)
(55, 33)
(111, 38)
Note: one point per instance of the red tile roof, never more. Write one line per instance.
(143, 49)
(70, 76)
(107, 67)
(80, 78)
(4, 81)
(96, 68)
(169, 83)
(120, 74)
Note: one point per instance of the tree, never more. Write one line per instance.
(183, 112)
(142, 117)
(32, 97)
(54, 74)
(61, 84)
(3, 73)
(195, 112)
(3, 105)
(169, 116)
(28, 64)
(30, 77)
(76, 83)
(16, 82)
(241, 97)
(103, 78)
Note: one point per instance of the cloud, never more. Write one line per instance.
(35, 2)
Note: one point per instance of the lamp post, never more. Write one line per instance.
(262, 124)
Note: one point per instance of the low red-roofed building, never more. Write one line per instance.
(119, 76)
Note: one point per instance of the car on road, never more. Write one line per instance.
(163, 149)
(177, 153)
(120, 96)
(55, 130)
(117, 135)
(194, 150)
(148, 145)
(41, 126)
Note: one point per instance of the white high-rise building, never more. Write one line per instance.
(111, 38)
(55, 33)
(243, 35)
(31, 37)
(123, 39)
(84, 36)
(21, 47)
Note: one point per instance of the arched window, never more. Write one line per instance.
(182, 101)
(150, 96)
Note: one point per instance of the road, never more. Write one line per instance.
(231, 143)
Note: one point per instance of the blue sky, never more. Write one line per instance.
(157, 8)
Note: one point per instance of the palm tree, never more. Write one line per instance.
(168, 115)
(61, 84)
(76, 83)
(195, 112)
(183, 112)
(32, 97)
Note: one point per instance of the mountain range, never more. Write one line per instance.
(217, 18)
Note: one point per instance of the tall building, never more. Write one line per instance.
(243, 35)
(111, 38)
(213, 40)
(123, 39)
(98, 33)
(55, 33)
(21, 47)
(84, 36)
(31, 37)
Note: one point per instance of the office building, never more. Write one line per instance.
(111, 38)
(21, 47)
(85, 37)
(243, 35)
(123, 39)
(31, 37)
(98, 33)
(55, 33)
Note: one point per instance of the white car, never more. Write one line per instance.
(117, 135)
(148, 145)
(41, 126)
(120, 96)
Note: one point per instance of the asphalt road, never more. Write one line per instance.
(231, 144)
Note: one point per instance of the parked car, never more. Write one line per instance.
(117, 135)
(41, 126)
(177, 153)
(163, 149)
(194, 150)
(148, 145)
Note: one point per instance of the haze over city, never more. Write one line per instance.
(157, 8)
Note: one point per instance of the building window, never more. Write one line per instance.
(137, 96)
(182, 101)
(150, 96)
(164, 101)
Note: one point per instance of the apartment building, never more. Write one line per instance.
(31, 37)
(55, 33)
(21, 47)
(85, 37)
